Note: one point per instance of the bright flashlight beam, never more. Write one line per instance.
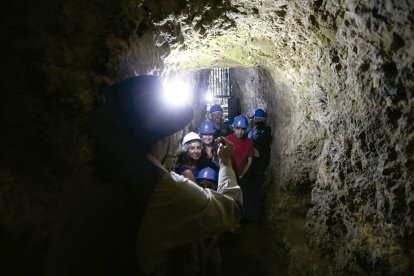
(176, 92)
(209, 97)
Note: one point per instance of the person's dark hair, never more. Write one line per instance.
(207, 184)
(183, 160)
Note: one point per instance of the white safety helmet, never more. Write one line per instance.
(189, 137)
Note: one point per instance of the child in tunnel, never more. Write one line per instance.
(243, 155)
(209, 250)
(203, 257)
(243, 147)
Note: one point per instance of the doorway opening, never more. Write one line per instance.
(220, 88)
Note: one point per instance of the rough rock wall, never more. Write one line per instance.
(363, 196)
(248, 85)
(57, 58)
(347, 68)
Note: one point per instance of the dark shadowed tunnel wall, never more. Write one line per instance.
(336, 78)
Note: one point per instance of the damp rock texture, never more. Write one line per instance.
(336, 78)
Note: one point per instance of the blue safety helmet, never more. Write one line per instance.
(228, 122)
(259, 113)
(208, 174)
(241, 122)
(206, 127)
(216, 108)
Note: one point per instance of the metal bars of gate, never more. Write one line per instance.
(219, 82)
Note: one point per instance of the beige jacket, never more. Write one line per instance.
(179, 212)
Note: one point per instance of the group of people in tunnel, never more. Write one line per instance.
(198, 162)
(126, 214)
(251, 139)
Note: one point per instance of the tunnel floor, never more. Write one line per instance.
(246, 251)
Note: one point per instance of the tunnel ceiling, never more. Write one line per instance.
(300, 42)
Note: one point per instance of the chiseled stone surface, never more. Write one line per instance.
(336, 78)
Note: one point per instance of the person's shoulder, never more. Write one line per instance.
(181, 168)
(177, 186)
(175, 178)
(180, 185)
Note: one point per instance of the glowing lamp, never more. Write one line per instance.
(209, 97)
(176, 92)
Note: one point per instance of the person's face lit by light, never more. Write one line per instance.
(216, 117)
(194, 150)
(207, 138)
(240, 133)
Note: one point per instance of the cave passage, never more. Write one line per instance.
(334, 77)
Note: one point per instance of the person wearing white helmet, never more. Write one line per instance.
(124, 214)
(187, 162)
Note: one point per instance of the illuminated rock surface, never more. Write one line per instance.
(337, 81)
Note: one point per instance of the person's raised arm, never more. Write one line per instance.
(225, 151)
(189, 174)
(227, 182)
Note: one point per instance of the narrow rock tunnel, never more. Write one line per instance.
(335, 77)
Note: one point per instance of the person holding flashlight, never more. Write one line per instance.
(123, 213)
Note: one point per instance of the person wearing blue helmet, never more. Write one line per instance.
(125, 211)
(243, 146)
(207, 178)
(216, 113)
(209, 249)
(208, 157)
(259, 113)
(258, 116)
(261, 137)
